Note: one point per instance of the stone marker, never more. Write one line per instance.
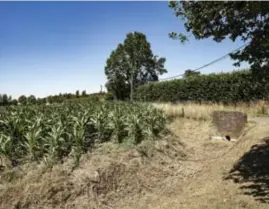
(229, 123)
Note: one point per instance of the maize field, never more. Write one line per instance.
(53, 132)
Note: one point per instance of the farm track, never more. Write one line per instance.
(260, 120)
(213, 185)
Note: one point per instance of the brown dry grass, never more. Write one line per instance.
(204, 111)
(111, 175)
(207, 188)
(183, 170)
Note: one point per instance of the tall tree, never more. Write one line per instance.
(244, 20)
(9, 99)
(77, 93)
(31, 99)
(116, 72)
(22, 99)
(84, 93)
(14, 102)
(5, 99)
(132, 64)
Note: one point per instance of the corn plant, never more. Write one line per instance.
(78, 139)
(6, 147)
(54, 144)
(117, 125)
(134, 129)
(13, 129)
(71, 129)
(99, 121)
(154, 122)
(33, 138)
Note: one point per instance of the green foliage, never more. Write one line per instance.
(5, 100)
(22, 99)
(84, 94)
(232, 87)
(61, 98)
(183, 38)
(14, 102)
(77, 94)
(50, 133)
(31, 99)
(94, 98)
(244, 20)
(190, 73)
(109, 96)
(132, 64)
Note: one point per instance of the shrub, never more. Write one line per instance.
(109, 96)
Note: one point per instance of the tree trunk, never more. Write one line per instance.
(131, 86)
(132, 81)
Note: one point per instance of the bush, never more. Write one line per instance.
(94, 98)
(109, 97)
(223, 87)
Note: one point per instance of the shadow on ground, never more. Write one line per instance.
(252, 172)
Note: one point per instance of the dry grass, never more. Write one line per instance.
(208, 187)
(204, 111)
(111, 175)
(185, 170)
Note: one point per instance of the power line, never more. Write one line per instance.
(208, 64)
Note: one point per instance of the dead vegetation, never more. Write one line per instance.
(107, 177)
(183, 170)
(205, 111)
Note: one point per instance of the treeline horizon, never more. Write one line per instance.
(6, 99)
(228, 87)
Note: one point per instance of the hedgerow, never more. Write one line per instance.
(238, 86)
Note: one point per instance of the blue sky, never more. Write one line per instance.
(57, 47)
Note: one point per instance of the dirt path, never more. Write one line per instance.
(260, 120)
(209, 186)
(208, 189)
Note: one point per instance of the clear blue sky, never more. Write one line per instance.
(57, 47)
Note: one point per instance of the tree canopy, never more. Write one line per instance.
(5, 99)
(190, 73)
(22, 99)
(77, 93)
(84, 93)
(237, 20)
(31, 99)
(132, 64)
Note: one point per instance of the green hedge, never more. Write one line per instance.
(223, 87)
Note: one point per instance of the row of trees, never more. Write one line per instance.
(7, 100)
